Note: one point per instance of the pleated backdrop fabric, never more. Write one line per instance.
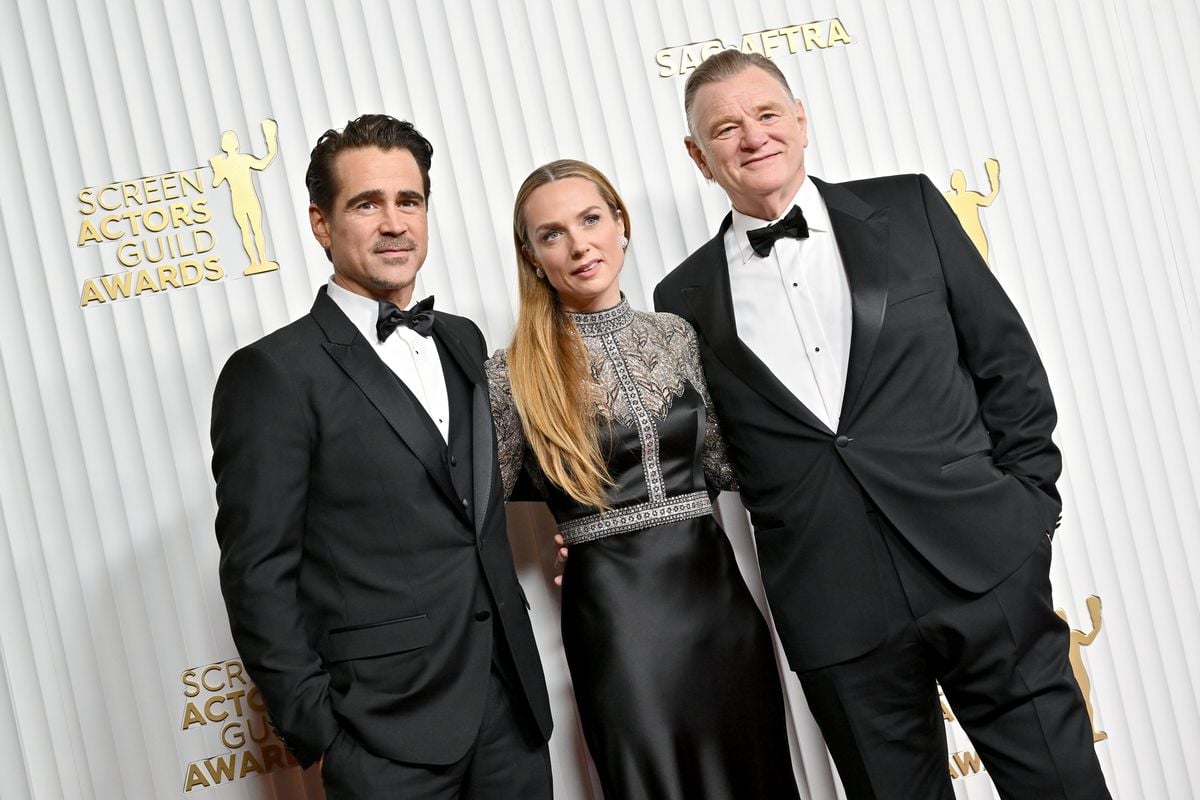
(119, 675)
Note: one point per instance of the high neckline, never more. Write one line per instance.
(598, 323)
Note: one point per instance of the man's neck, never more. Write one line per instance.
(772, 206)
(400, 298)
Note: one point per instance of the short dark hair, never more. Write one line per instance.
(721, 67)
(369, 130)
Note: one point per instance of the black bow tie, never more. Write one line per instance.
(419, 318)
(792, 226)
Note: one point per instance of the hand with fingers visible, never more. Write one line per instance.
(560, 559)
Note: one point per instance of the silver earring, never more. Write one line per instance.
(624, 241)
(538, 271)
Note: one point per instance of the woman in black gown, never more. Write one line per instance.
(606, 407)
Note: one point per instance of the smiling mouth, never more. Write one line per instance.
(758, 160)
(588, 268)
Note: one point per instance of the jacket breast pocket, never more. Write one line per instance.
(379, 638)
(916, 289)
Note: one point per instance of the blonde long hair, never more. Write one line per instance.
(547, 362)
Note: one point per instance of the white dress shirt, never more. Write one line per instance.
(412, 357)
(792, 308)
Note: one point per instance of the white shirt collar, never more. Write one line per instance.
(362, 311)
(808, 197)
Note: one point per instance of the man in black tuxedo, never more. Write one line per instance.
(364, 559)
(889, 420)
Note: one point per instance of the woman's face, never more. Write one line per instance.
(575, 239)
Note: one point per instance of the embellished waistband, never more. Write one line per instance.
(635, 517)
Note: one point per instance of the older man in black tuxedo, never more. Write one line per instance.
(889, 420)
(364, 560)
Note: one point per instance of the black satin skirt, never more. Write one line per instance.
(673, 670)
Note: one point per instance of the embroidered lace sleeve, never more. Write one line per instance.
(510, 439)
(717, 469)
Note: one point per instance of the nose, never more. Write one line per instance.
(392, 221)
(753, 136)
(577, 244)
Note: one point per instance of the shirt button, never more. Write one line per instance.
(482, 616)
(816, 349)
(842, 441)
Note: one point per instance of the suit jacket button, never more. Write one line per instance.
(453, 461)
(464, 501)
(842, 441)
(482, 616)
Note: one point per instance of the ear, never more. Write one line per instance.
(697, 155)
(802, 121)
(320, 225)
(525, 251)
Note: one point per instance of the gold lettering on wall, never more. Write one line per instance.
(221, 695)
(787, 40)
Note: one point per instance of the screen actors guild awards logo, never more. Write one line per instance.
(218, 699)
(966, 203)
(165, 231)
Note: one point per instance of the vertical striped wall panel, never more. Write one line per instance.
(108, 590)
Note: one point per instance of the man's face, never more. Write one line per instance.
(377, 227)
(750, 138)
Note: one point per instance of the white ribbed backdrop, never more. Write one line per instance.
(108, 588)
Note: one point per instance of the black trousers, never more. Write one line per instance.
(1002, 660)
(508, 760)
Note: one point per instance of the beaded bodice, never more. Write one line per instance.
(662, 440)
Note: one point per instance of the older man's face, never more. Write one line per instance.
(750, 138)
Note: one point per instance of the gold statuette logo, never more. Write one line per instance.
(166, 231)
(235, 168)
(966, 203)
(1080, 640)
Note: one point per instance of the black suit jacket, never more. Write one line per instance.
(364, 563)
(945, 424)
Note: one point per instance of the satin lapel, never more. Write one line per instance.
(482, 437)
(363, 366)
(861, 231)
(711, 302)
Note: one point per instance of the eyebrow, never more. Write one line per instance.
(555, 223)
(376, 194)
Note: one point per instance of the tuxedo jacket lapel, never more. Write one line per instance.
(711, 303)
(482, 437)
(861, 231)
(363, 366)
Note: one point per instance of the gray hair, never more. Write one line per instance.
(721, 67)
